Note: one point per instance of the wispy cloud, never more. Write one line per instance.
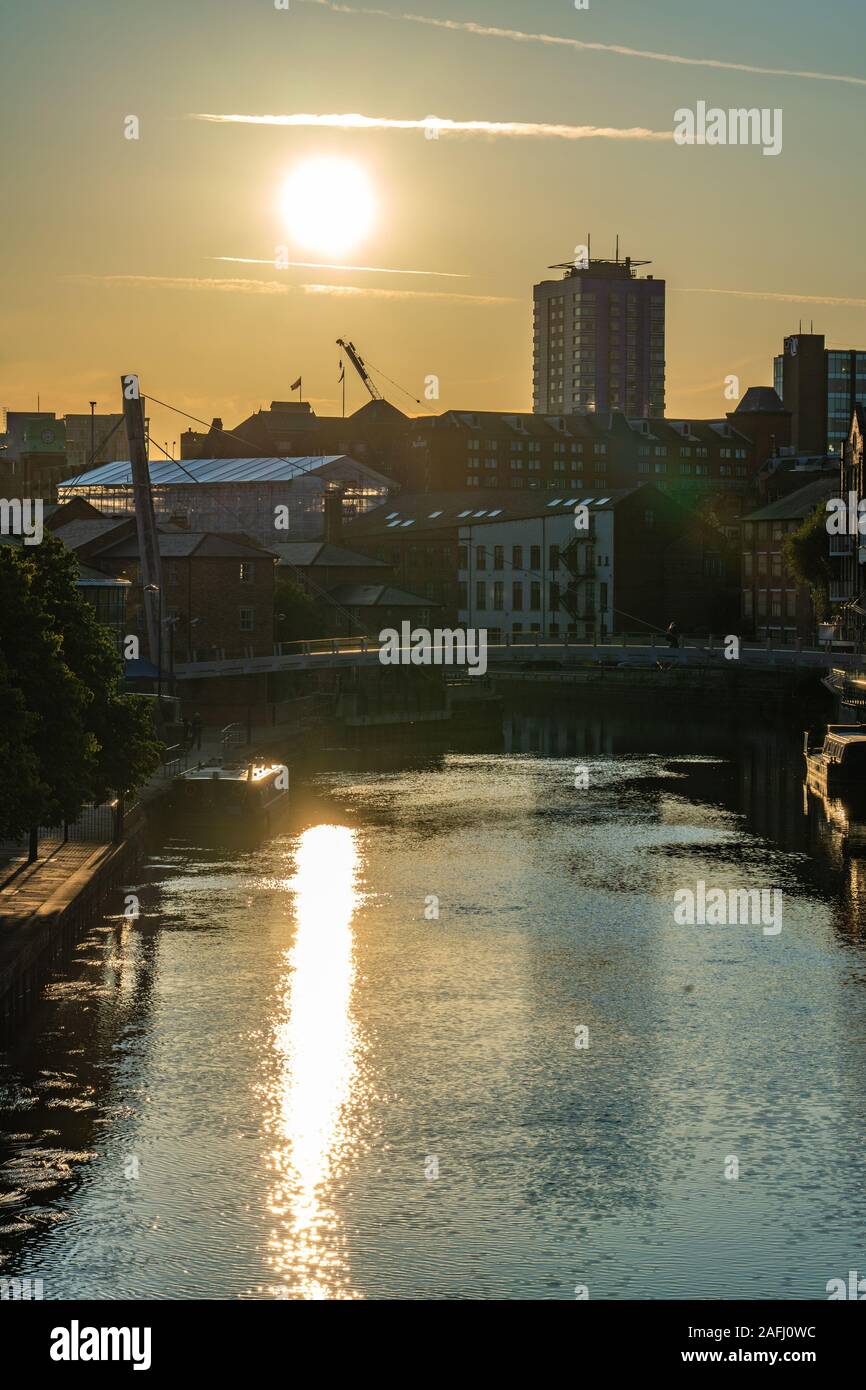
(318, 265)
(274, 287)
(371, 292)
(444, 126)
(520, 36)
(840, 300)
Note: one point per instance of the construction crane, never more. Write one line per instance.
(358, 363)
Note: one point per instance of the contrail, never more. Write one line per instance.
(520, 36)
(318, 265)
(838, 300)
(373, 293)
(274, 287)
(440, 125)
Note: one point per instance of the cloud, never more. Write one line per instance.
(369, 291)
(317, 265)
(840, 300)
(442, 125)
(272, 287)
(520, 36)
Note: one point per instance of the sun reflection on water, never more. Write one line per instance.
(316, 1047)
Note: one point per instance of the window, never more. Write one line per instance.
(535, 557)
(498, 595)
(498, 557)
(246, 573)
(748, 605)
(462, 557)
(247, 619)
(649, 519)
(791, 603)
(554, 557)
(517, 557)
(748, 564)
(480, 594)
(462, 594)
(517, 597)
(535, 596)
(481, 557)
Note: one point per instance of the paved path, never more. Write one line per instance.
(34, 884)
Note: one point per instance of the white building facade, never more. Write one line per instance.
(548, 574)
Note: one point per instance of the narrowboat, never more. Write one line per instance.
(220, 800)
(839, 764)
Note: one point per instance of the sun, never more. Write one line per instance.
(328, 205)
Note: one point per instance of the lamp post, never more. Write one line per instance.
(92, 433)
(155, 589)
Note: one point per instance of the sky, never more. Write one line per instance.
(112, 246)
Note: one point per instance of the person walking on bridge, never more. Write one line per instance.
(673, 635)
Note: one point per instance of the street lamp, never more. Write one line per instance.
(155, 589)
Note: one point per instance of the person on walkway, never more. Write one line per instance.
(196, 730)
(673, 635)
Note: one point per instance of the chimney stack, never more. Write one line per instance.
(334, 515)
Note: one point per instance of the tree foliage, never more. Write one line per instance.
(805, 553)
(76, 737)
(298, 614)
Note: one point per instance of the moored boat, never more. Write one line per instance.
(220, 800)
(839, 764)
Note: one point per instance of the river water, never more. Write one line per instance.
(290, 1077)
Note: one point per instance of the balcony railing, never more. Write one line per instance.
(841, 590)
(841, 545)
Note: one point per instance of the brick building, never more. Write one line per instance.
(772, 603)
(654, 556)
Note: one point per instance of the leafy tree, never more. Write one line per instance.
(299, 614)
(21, 791)
(805, 553)
(78, 738)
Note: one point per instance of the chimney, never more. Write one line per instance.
(334, 515)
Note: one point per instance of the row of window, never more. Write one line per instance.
(770, 603)
(496, 594)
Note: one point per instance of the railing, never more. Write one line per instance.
(174, 760)
(840, 590)
(232, 736)
(841, 545)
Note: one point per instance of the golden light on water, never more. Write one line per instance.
(316, 1046)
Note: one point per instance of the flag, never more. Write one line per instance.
(296, 385)
(342, 376)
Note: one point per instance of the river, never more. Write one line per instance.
(444, 1039)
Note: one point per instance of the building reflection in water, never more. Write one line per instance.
(317, 1051)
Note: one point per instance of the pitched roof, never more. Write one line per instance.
(176, 545)
(305, 554)
(797, 504)
(220, 470)
(760, 400)
(377, 596)
(436, 511)
(78, 533)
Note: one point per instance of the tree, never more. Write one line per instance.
(77, 737)
(805, 553)
(298, 614)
